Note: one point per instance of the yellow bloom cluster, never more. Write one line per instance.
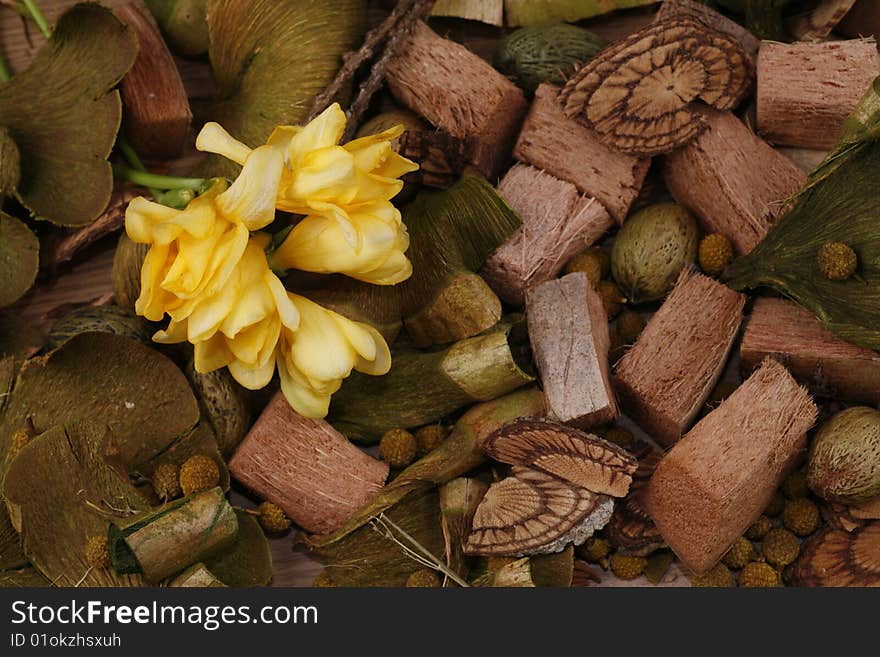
(208, 271)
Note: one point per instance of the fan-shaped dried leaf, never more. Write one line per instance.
(65, 176)
(19, 259)
(249, 562)
(532, 512)
(631, 529)
(838, 558)
(637, 95)
(580, 458)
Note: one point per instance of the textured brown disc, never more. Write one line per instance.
(528, 513)
(581, 458)
(838, 558)
(631, 529)
(637, 94)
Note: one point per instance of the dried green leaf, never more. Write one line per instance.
(18, 337)
(22, 577)
(65, 176)
(10, 165)
(60, 490)
(270, 58)
(19, 258)
(99, 319)
(249, 562)
(529, 12)
(554, 570)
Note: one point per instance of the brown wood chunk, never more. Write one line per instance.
(558, 223)
(663, 380)
(807, 90)
(306, 467)
(568, 150)
(696, 10)
(157, 112)
(732, 180)
(580, 458)
(568, 329)
(715, 482)
(816, 357)
(460, 93)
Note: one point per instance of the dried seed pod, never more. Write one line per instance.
(631, 529)
(837, 558)
(637, 94)
(580, 458)
(532, 512)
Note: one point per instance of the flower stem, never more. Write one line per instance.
(134, 161)
(38, 17)
(156, 180)
(5, 73)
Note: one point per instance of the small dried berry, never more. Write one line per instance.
(718, 577)
(594, 262)
(595, 549)
(759, 528)
(612, 298)
(273, 519)
(780, 547)
(198, 473)
(98, 552)
(627, 567)
(740, 553)
(837, 261)
(715, 253)
(801, 516)
(758, 575)
(424, 578)
(166, 481)
(429, 438)
(398, 448)
(630, 325)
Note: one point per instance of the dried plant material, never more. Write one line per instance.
(583, 575)
(715, 482)
(529, 12)
(807, 90)
(827, 365)
(838, 558)
(755, 178)
(163, 542)
(862, 20)
(442, 158)
(19, 259)
(19, 339)
(423, 387)
(65, 176)
(817, 23)
(698, 11)
(98, 319)
(531, 512)
(459, 499)
(512, 575)
(665, 378)
(553, 570)
(458, 92)
(183, 24)
(10, 165)
(306, 467)
(568, 150)
(386, 551)
(224, 405)
(485, 11)
(127, 263)
(631, 529)
(558, 223)
(27, 576)
(83, 495)
(636, 94)
(196, 576)
(458, 454)
(568, 329)
(248, 562)
(251, 41)
(577, 457)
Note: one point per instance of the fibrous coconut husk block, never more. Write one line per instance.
(306, 467)
(715, 482)
(568, 150)
(460, 93)
(816, 357)
(568, 329)
(807, 90)
(558, 222)
(733, 180)
(665, 377)
(157, 112)
(711, 18)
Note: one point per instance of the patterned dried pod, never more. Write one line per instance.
(637, 94)
(838, 558)
(580, 458)
(532, 512)
(631, 529)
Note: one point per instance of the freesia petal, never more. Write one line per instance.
(304, 399)
(251, 198)
(324, 130)
(253, 377)
(142, 216)
(211, 355)
(213, 138)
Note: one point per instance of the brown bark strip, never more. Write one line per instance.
(807, 90)
(710, 18)
(306, 467)
(458, 92)
(157, 113)
(663, 380)
(715, 482)
(732, 180)
(558, 222)
(568, 329)
(567, 150)
(817, 358)
(818, 23)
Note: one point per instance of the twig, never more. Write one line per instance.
(39, 19)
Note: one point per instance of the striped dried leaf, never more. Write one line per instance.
(578, 457)
(637, 94)
(838, 558)
(532, 512)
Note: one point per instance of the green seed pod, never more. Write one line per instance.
(176, 198)
(127, 264)
(548, 53)
(98, 319)
(650, 250)
(224, 404)
(183, 24)
(844, 462)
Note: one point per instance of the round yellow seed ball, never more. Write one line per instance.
(98, 552)
(758, 575)
(740, 553)
(595, 549)
(627, 567)
(780, 547)
(759, 528)
(323, 580)
(198, 473)
(166, 481)
(272, 518)
(718, 577)
(429, 438)
(424, 578)
(714, 254)
(801, 516)
(837, 261)
(398, 448)
(594, 262)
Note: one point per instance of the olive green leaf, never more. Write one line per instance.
(270, 58)
(19, 259)
(63, 114)
(529, 12)
(10, 165)
(249, 562)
